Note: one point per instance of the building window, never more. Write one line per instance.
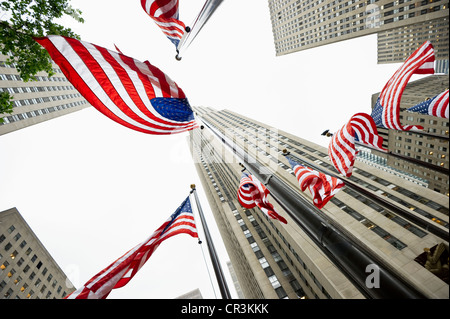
(8, 246)
(280, 292)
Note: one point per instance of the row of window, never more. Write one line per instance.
(24, 102)
(256, 249)
(17, 77)
(47, 110)
(306, 269)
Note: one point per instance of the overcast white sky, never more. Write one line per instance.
(92, 189)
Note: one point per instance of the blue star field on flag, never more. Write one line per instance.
(377, 114)
(185, 207)
(173, 109)
(436, 106)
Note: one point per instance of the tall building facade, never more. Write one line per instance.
(431, 147)
(303, 24)
(396, 45)
(36, 101)
(27, 270)
(397, 222)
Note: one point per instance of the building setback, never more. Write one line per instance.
(27, 270)
(37, 101)
(275, 260)
(304, 24)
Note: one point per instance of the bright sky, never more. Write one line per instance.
(92, 189)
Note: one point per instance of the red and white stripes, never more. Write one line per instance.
(120, 87)
(420, 62)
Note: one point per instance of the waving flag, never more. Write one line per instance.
(386, 112)
(366, 131)
(135, 94)
(253, 193)
(322, 187)
(437, 106)
(342, 151)
(165, 14)
(121, 271)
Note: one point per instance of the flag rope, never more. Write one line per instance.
(209, 273)
(204, 258)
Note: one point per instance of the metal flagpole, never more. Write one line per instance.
(208, 9)
(212, 251)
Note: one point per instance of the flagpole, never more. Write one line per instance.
(212, 251)
(208, 9)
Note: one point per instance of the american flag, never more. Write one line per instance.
(253, 193)
(135, 94)
(165, 13)
(386, 112)
(121, 271)
(322, 187)
(342, 150)
(366, 130)
(437, 106)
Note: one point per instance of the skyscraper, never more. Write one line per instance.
(379, 224)
(37, 101)
(428, 151)
(27, 270)
(299, 25)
